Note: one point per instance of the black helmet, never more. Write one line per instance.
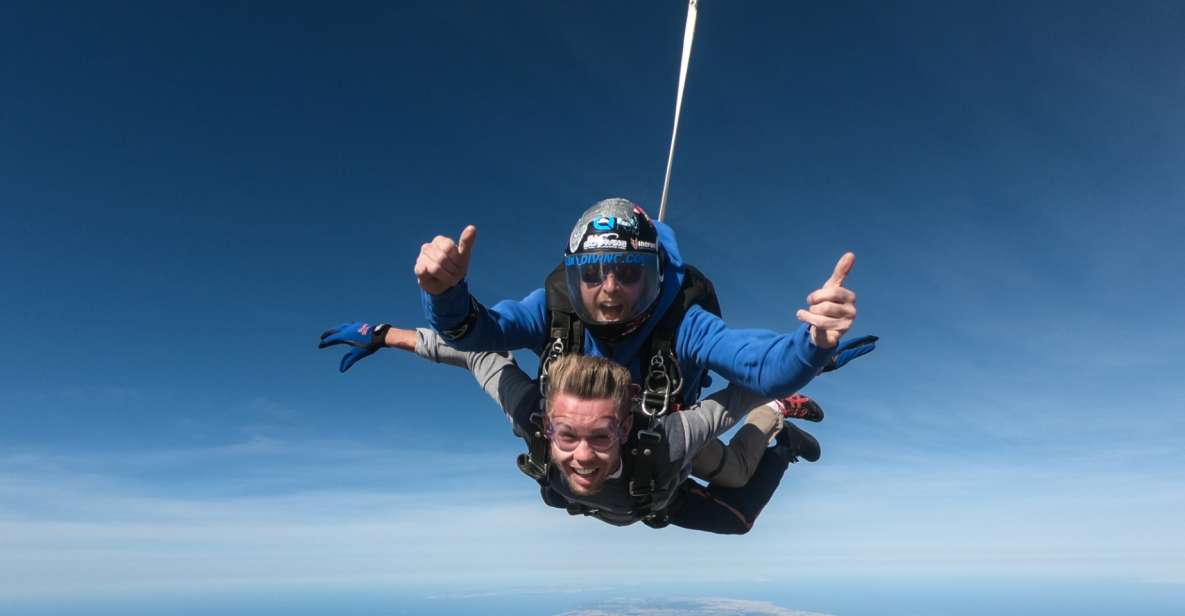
(613, 237)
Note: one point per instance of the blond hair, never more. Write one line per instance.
(590, 378)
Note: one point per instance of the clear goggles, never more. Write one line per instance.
(636, 272)
(602, 439)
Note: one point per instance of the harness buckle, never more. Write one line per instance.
(641, 488)
(662, 384)
(555, 352)
(530, 467)
(649, 437)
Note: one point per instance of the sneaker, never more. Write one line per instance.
(799, 443)
(798, 406)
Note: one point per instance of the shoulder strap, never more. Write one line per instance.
(662, 385)
(565, 334)
(640, 455)
(663, 380)
(562, 323)
(698, 290)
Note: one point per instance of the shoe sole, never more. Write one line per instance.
(804, 443)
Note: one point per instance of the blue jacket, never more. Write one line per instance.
(769, 363)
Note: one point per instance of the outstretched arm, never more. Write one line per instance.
(469, 325)
(497, 373)
(403, 339)
(459, 318)
(772, 364)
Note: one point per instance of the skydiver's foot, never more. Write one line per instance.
(798, 406)
(798, 443)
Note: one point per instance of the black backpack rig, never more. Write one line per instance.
(660, 392)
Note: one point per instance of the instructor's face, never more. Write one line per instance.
(610, 300)
(585, 441)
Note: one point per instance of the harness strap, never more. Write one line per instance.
(534, 462)
(643, 453)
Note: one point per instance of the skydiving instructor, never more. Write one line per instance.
(620, 292)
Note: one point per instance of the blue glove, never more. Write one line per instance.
(364, 338)
(847, 351)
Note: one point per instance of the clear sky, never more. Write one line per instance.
(190, 194)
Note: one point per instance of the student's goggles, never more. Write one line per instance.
(602, 439)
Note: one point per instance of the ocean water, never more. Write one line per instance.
(839, 597)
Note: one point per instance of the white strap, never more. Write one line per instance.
(688, 35)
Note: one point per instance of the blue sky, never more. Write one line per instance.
(190, 195)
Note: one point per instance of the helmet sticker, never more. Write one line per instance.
(613, 224)
(607, 240)
(605, 223)
(593, 258)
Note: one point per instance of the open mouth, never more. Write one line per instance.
(612, 312)
(583, 476)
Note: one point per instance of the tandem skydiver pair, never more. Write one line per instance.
(622, 292)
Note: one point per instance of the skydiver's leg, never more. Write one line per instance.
(696, 509)
(733, 464)
(733, 511)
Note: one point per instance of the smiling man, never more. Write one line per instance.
(588, 419)
(588, 415)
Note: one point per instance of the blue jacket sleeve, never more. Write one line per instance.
(764, 361)
(469, 326)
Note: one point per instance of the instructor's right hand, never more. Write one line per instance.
(443, 263)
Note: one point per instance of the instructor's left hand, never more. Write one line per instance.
(832, 308)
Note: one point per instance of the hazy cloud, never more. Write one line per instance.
(687, 607)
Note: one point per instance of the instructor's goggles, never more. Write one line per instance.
(638, 272)
(625, 273)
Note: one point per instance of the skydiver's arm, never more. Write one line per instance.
(773, 365)
(441, 269)
(468, 325)
(497, 373)
(403, 339)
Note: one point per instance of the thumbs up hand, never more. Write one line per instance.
(443, 263)
(832, 308)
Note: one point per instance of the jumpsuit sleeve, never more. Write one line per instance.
(771, 364)
(468, 325)
(497, 373)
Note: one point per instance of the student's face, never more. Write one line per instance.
(610, 300)
(586, 441)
